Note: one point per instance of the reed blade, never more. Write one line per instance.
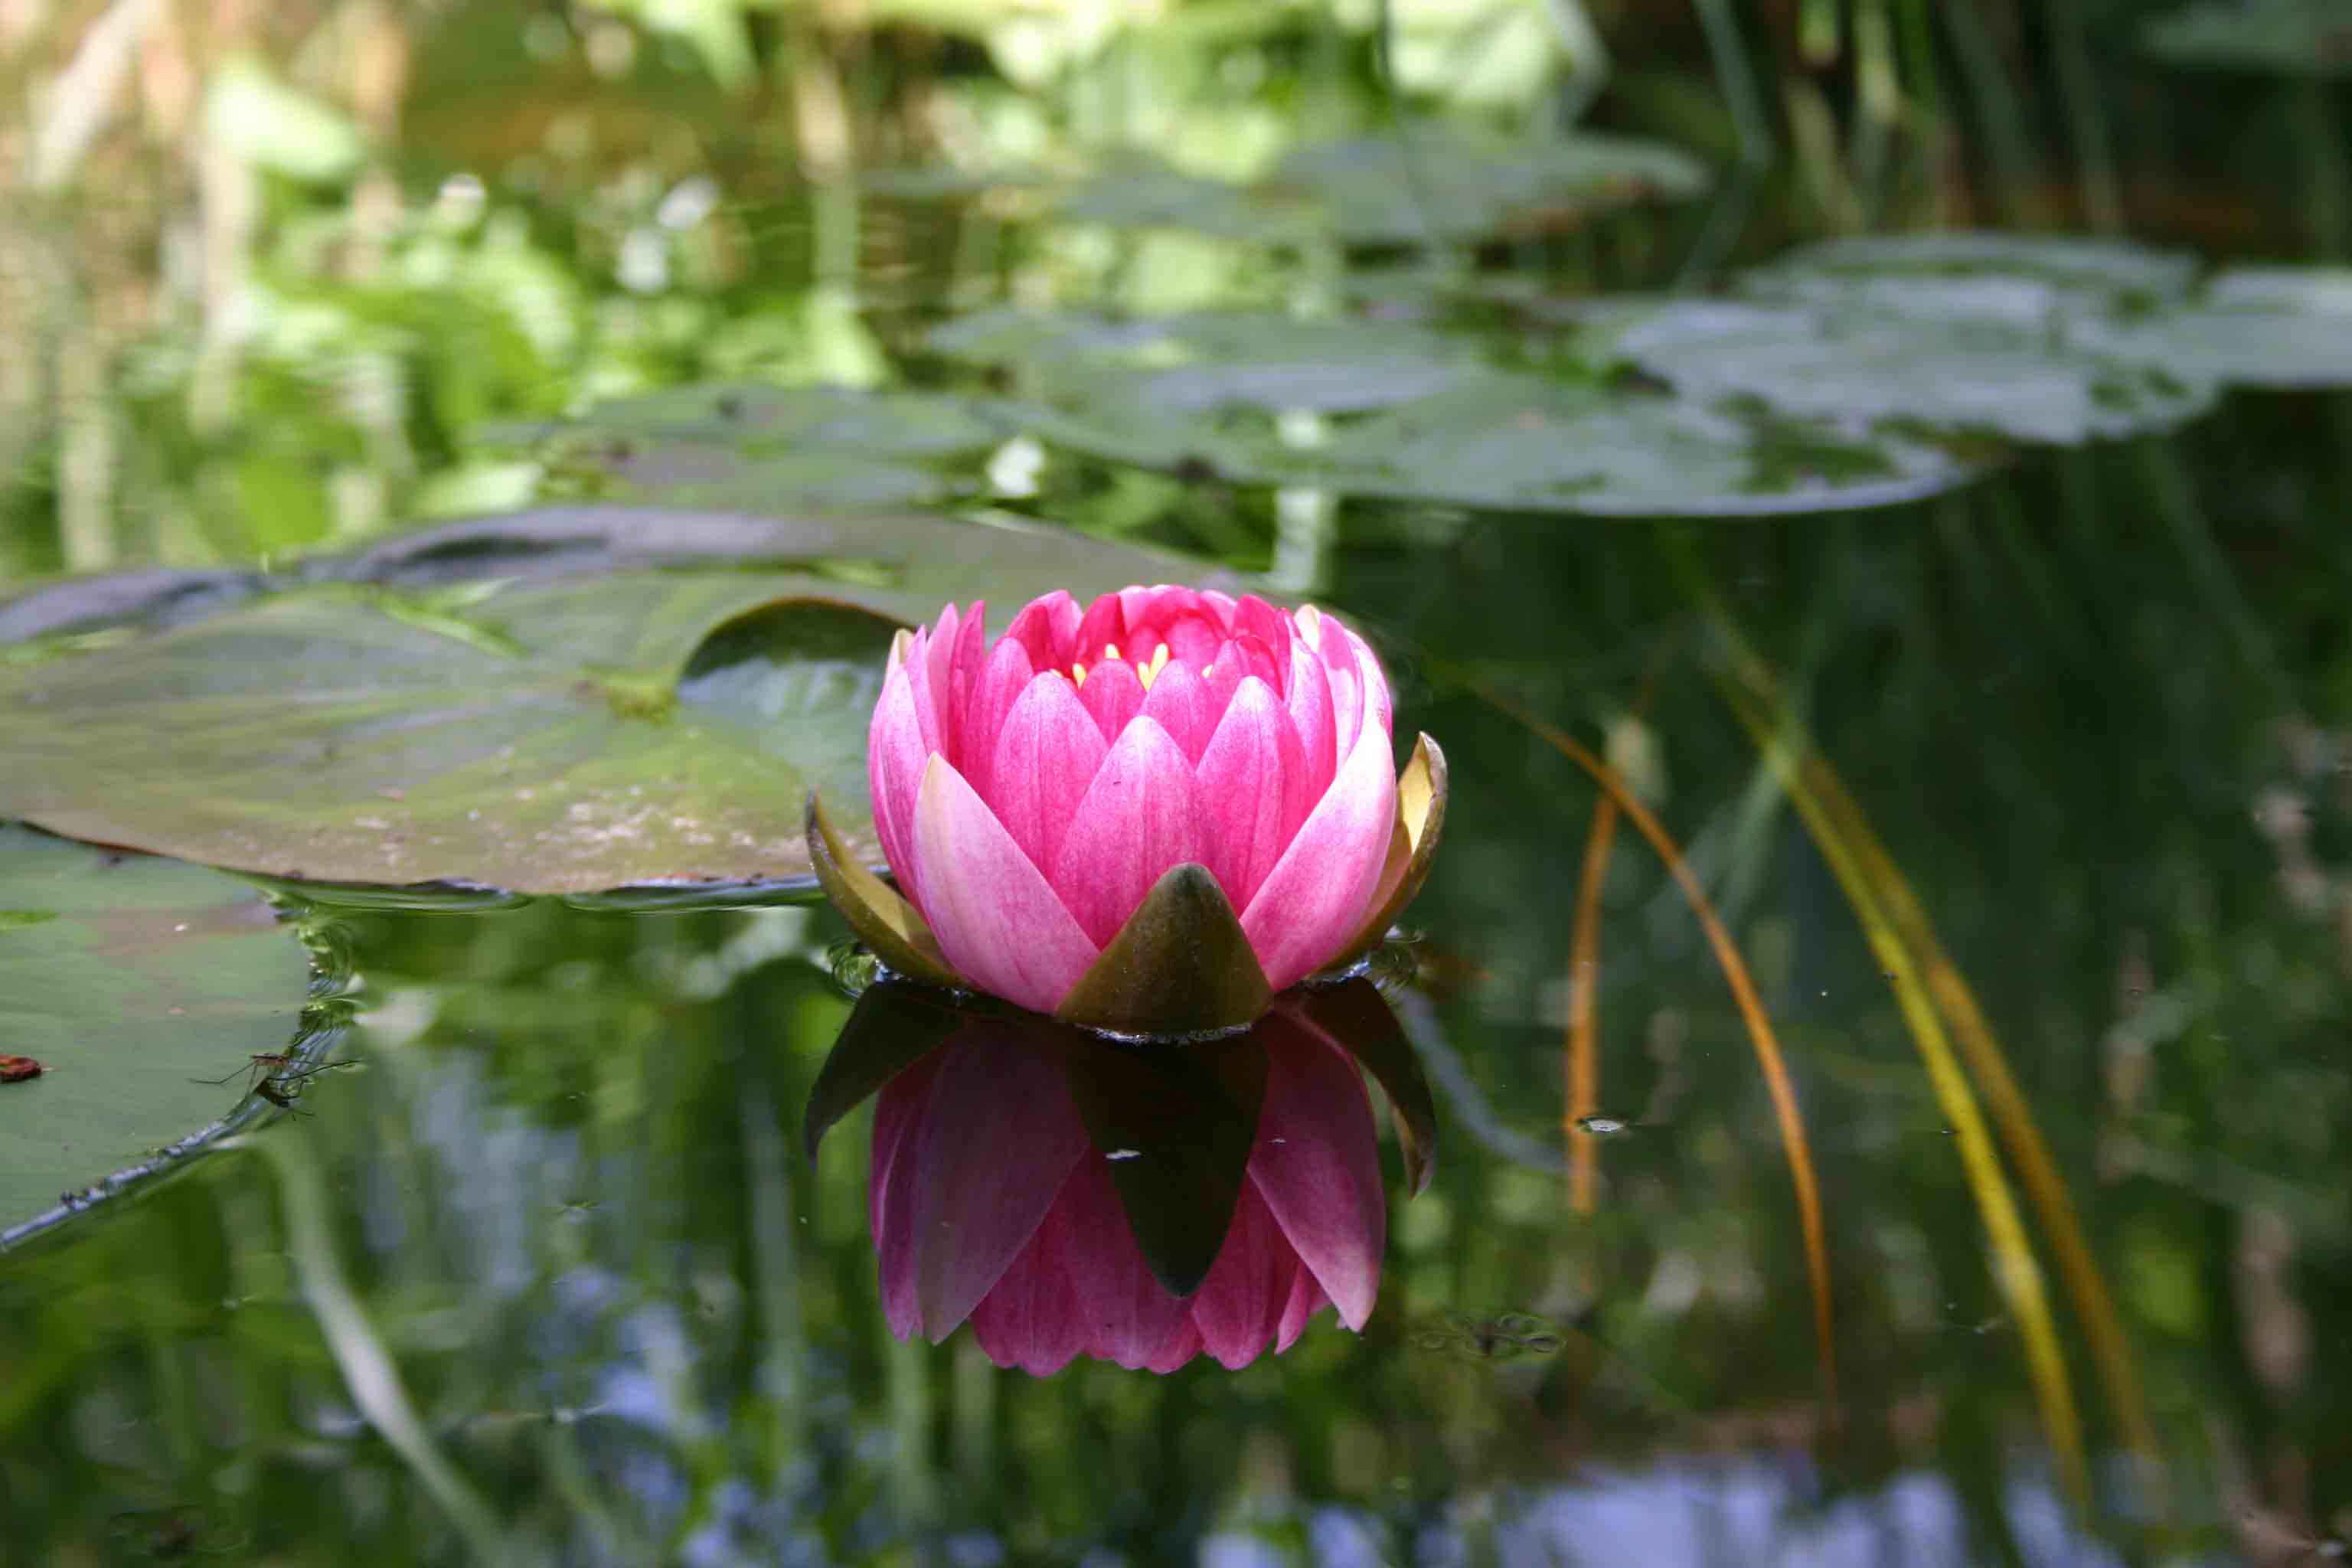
(1583, 1075)
(1743, 997)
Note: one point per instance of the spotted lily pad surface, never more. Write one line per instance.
(392, 719)
(131, 980)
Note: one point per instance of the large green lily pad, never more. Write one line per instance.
(129, 979)
(2285, 38)
(564, 736)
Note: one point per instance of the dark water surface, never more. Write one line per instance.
(542, 1274)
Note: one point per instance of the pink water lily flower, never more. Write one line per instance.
(1151, 812)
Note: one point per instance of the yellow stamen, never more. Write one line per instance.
(1310, 623)
(1110, 650)
(1150, 672)
(1078, 675)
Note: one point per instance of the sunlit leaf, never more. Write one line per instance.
(147, 978)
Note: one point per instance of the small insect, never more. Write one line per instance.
(17, 1069)
(1504, 1337)
(277, 1076)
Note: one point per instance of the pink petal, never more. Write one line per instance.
(1114, 696)
(1137, 605)
(919, 668)
(1306, 1298)
(1048, 629)
(1047, 751)
(1253, 616)
(894, 756)
(1000, 1139)
(1240, 790)
(898, 1110)
(1223, 674)
(1001, 683)
(1239, 1306)
(1180, 703)
(997, 920)
(1181, 1347)
(1307, 696)
(1347, 677)
(1104, 623)
(934, 682)
(1128, 1314)
(964, 664)
(1317, 1164)
(1318, 891)
(1192, 639)
(1134, 823)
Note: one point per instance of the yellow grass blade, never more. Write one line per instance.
(1751, 1012)
(2101, 1325)
(2015, 1272)
(1584, 1085)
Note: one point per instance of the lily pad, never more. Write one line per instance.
(552, 736)
(141, 979)
(2116, 269)
(2280, 327)
(1403, 412)
(1939, 368)
(1440, 181)
(759, 445)
(2285, 38)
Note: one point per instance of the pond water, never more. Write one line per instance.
(537, 1257)
(1864, 1081)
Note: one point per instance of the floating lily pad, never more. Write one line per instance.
(554, 737)
(2287, 37)
(2115, 269)
(1438, 182)
(1141, 192)
(2284, 327)
(140, 978)
(1937, 368)
(1406, 413)
(763, 447)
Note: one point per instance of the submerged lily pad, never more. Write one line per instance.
(142, 978)
(553, 737)
(2288, 38)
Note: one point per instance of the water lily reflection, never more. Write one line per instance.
(1069, 1195)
